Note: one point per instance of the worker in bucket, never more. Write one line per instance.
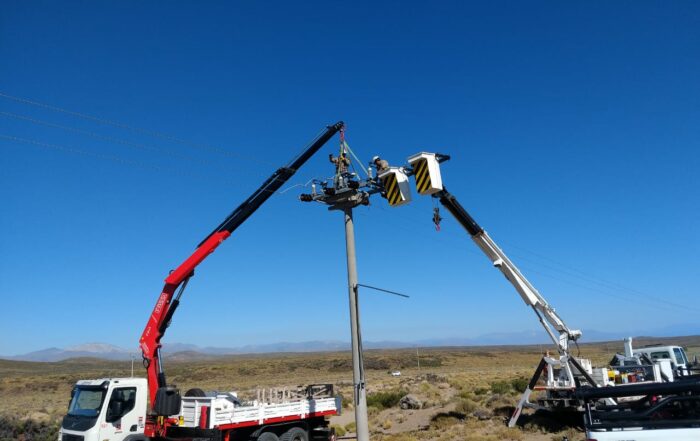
(380, 164)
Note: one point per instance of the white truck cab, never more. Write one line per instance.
(675, 354)
(111, 409)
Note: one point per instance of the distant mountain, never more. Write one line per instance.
(184, 351)
(95, 350)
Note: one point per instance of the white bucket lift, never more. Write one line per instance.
(426, 170)
(398, 190)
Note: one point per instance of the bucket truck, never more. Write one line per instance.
(132, 409)
(564, 373)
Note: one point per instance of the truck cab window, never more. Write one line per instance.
(121, 402)
(660, 355)
(680, 358)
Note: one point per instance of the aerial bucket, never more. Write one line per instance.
(398, 190)
(426, 170)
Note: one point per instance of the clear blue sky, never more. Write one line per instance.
(573, 130)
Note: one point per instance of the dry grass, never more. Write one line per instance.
(467, 391)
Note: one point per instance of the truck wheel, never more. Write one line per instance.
(268, 436)
(295, 434)
(195, 392)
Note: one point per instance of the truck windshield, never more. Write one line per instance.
(86, 401)
(680, 356)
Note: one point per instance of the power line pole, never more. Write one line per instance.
(344, 192)
(358, 371)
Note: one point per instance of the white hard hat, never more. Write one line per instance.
(375, 158)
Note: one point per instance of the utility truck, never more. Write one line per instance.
(116, 409)
(563, 373)
(121, 409)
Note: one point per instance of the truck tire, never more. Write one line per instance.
(195, 392)
(268, 436)
(295, 434)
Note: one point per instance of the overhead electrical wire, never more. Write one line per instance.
(148, 132)
(567, 271)
(112, 158)
(573, 272)
(123, 161)
(121, 141)
(651, 301)
(162, 150)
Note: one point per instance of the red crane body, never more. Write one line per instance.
(168, 300)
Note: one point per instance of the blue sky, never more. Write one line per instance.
(573, 129)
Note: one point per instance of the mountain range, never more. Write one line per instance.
(184, 351)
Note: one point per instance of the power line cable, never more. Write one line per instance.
(148, 132)
(115, 140)
(662, 303)
(573, 272)
(113, 158)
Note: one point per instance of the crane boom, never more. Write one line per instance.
(425, 167)
(545, 313)
(168, 301)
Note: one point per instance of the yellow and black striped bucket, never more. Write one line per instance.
(420, 168)
(396, 186)
(426, 171)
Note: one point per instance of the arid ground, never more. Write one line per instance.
(464, 393)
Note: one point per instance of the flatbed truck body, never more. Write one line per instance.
(115, 409)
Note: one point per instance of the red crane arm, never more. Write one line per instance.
(168, 300)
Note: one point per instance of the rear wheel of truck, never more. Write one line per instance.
(268, 436)
(295, 434)
(195, 392)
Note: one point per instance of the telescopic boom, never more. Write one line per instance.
(168, 301)
(529, 294)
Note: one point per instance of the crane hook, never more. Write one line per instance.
(436, 218)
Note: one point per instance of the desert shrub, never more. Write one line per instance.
(501, 387)
(339, 430)
(480, 391)
(465, 395)
(519, 384)
(442, 421)
(508, 433)
(385, 400)
(376, 363)
(340, 365)
(29, 430)
(350, 427)
(545, 422)
(345, 403)
(430, 361)
(465, 407)
(386, 425)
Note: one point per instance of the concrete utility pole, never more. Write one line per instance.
(345, 192)
(345, 195)
(358, 371)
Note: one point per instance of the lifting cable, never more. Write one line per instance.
(345, 149)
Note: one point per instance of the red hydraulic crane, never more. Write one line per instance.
(165, 399)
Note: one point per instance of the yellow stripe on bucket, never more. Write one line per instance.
(422, 175)
(393, 193)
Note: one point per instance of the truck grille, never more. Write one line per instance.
(68, 437)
